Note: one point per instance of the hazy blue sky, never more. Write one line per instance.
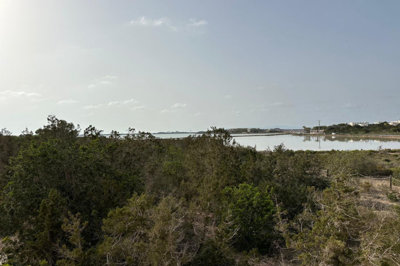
(188, 65)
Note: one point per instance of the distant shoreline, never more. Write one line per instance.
(358, 136)
(238, 135)
(361, 136)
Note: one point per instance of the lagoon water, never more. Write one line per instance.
(293, 142)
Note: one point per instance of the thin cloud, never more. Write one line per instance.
(67, 101)
(131, 104)
(165, 22)
(197, 23)
(122, 103)
(281, 104)
(148, 22)
(103, 81)
(350, 105)
(277, 104)
(163, 111)
(138, 107)
(10, 93)
(173, 108)
(93, 106)
(143, 21)
(236, 112)
(260, 108)
(179, 105)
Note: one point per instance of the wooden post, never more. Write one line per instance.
(391, 182)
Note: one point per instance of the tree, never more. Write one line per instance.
(249, 221)
(36, 241)
(84, 171)
(5, 132)
(142, 233)
(72, 253)
(126, 232)
(331, 235)
(92, 132)
(306, 129)
(57, 128)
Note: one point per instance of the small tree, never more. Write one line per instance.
(92, 132)
(5, 132)
(141, 233)
(306, 129)
(249, 218)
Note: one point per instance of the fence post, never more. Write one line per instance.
(391, 182)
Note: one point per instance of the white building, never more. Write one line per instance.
(361, 124)
(394, 123)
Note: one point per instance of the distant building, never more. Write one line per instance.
(361, 124)
(394, 123)
(317, 131)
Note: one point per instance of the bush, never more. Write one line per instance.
(366, 186)
(249, 218)
(355, 163)
(392, 196)
(396, 172)
(211, 254)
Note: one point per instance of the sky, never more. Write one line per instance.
(187, 65)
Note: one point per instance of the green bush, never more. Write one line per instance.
(392, 196)
(396, 172)
(249, 217)
(211, 254)
(355, 163)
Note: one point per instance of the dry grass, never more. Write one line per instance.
(374, 193)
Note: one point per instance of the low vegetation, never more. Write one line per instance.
(378, 128)
(70, 199)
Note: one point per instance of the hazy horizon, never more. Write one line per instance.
(186, 66)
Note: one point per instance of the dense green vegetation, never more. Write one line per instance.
(380, 128)
(67, 199)
(253, 130)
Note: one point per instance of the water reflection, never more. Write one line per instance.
(344, 138)
(302, 142)
(317, 143)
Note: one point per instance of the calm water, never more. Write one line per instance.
(305, 142)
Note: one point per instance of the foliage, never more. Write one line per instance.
(379, 128)
(294, 176)
(380, 244)
(73, 254)
(344, 232)
(393, 196)
(210, 253)
(249, 219)
(354, 163)
(91, 199)
(330, 235)
(142, 233)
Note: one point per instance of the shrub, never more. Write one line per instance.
(249, 218)
(366, 186)
(392, 196)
